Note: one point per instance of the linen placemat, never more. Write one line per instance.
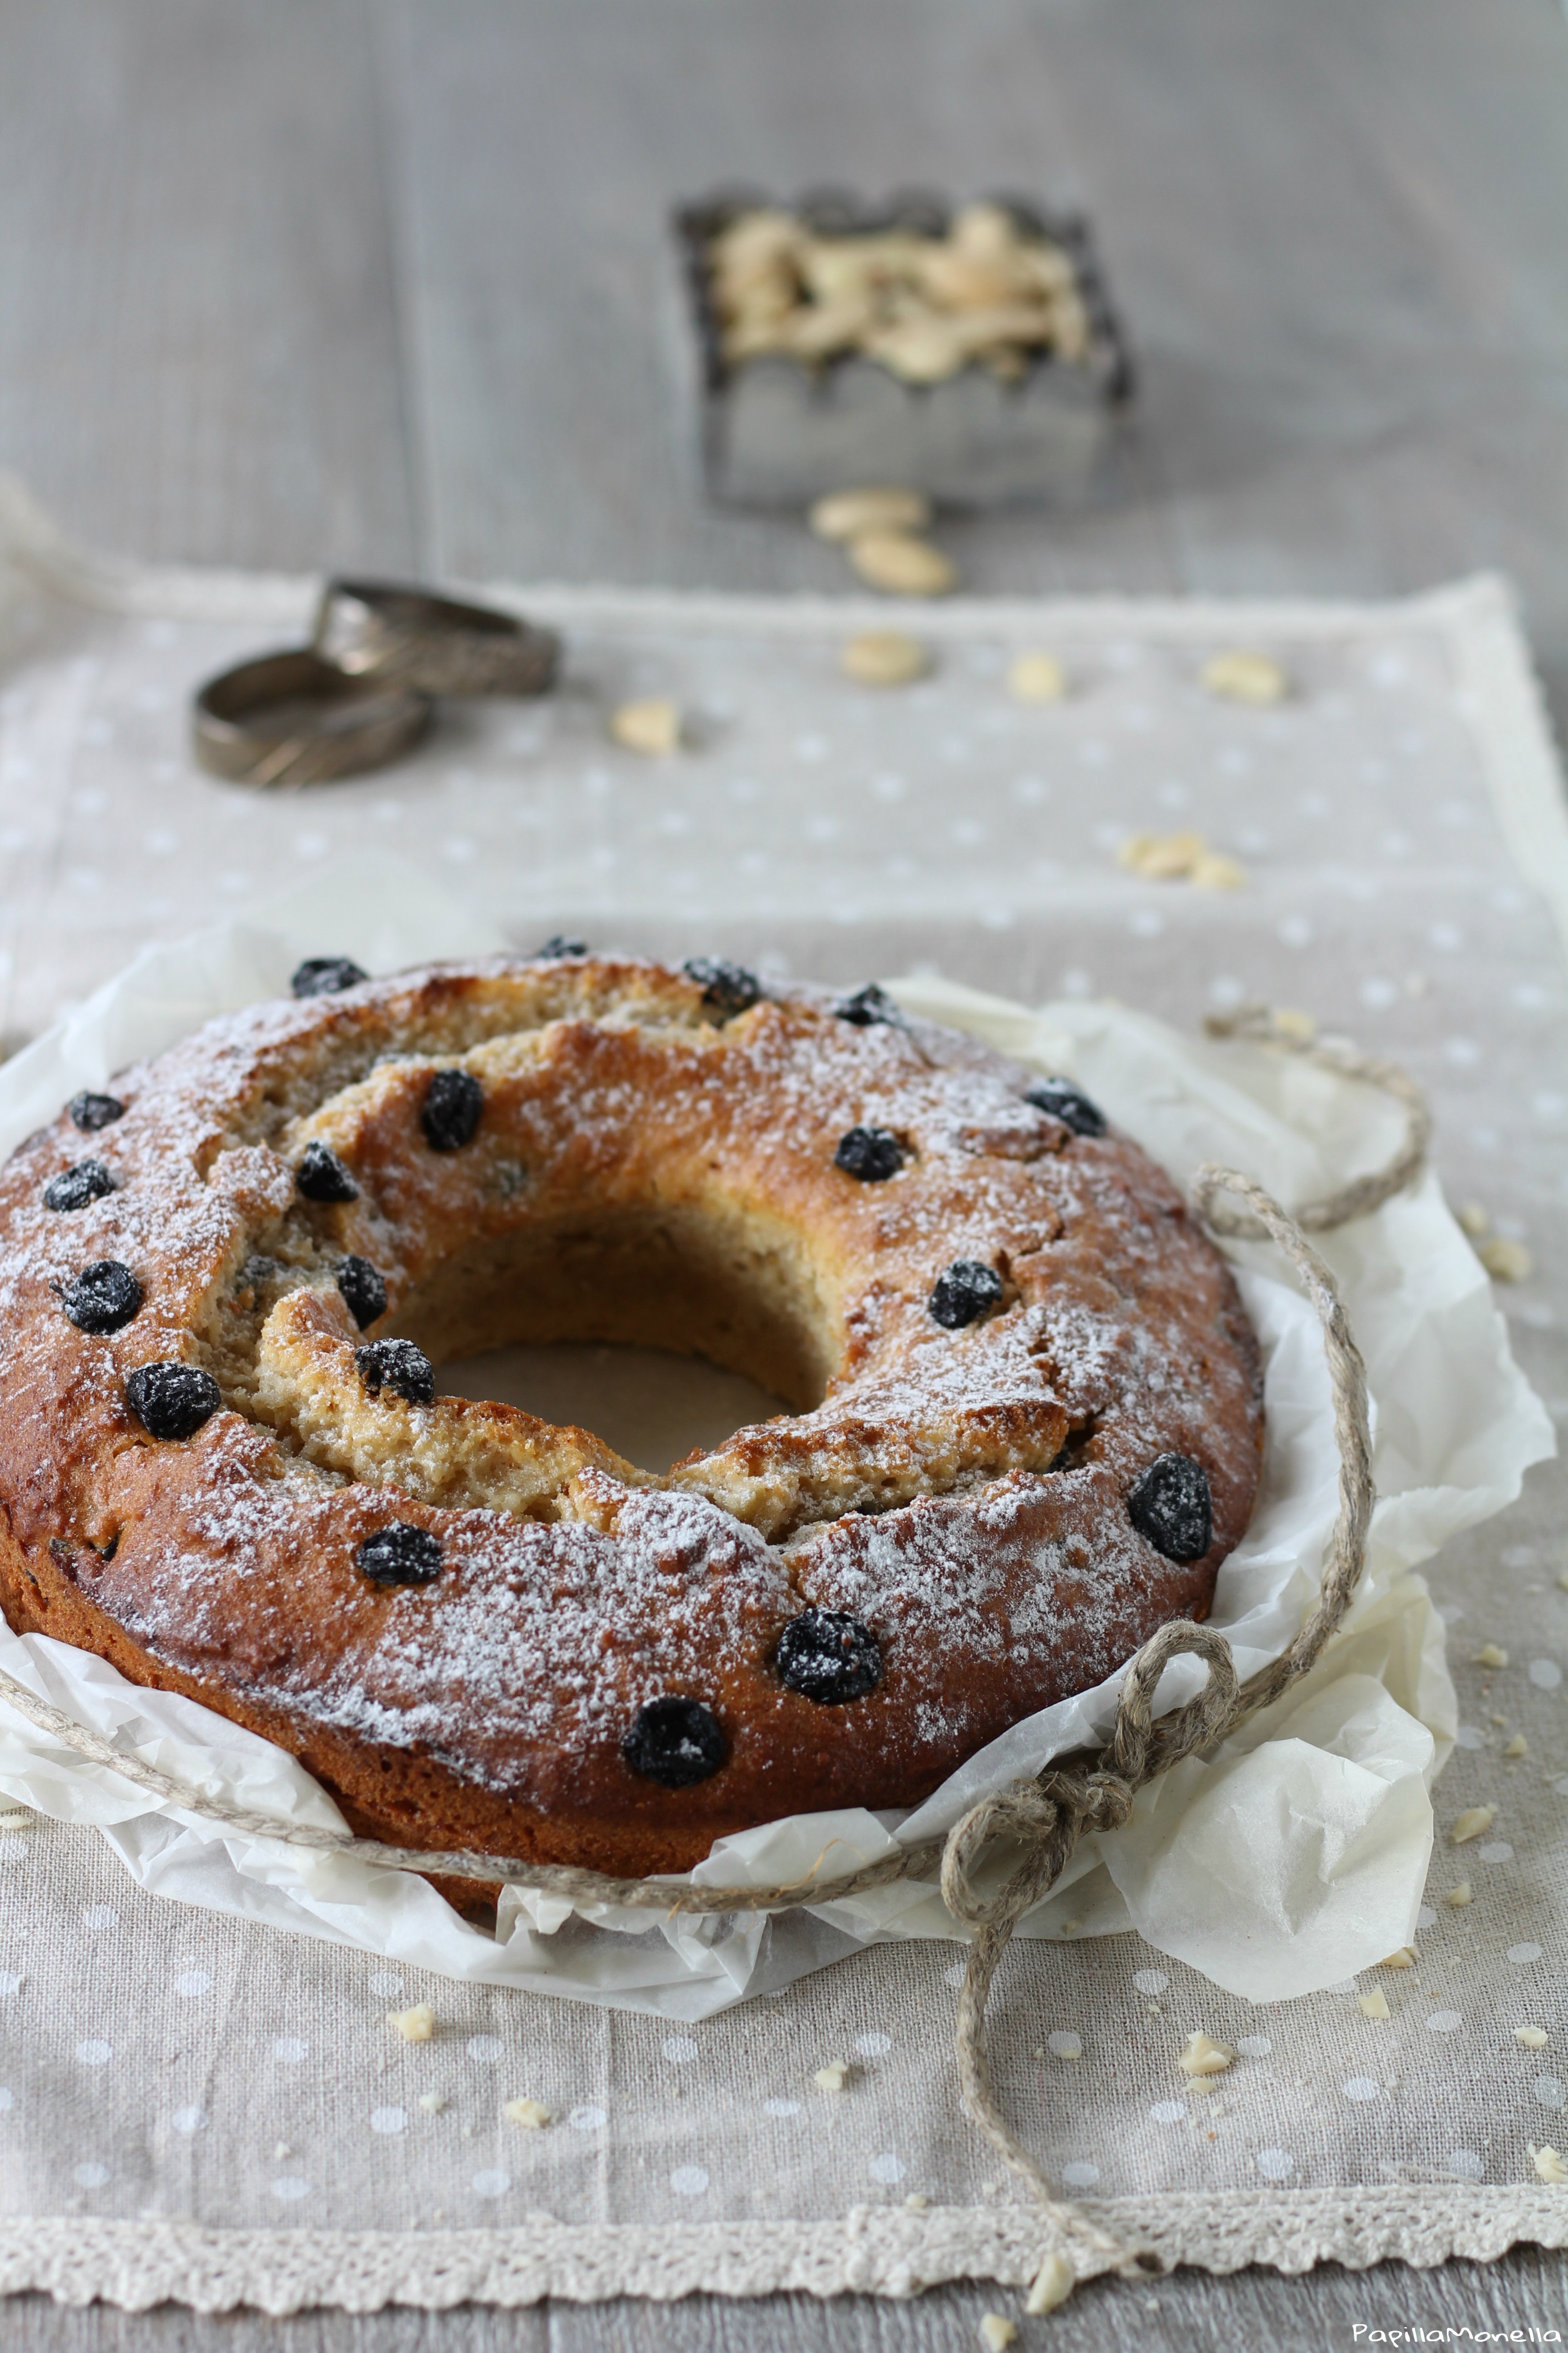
(196, 2107)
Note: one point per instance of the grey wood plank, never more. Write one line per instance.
(541, 152)
(200, 354)
(1340, 236)
(1344, 276)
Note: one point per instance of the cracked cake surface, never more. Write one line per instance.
(1025, 1424)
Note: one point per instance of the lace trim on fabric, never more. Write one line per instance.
(873, 2252)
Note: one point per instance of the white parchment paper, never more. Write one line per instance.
(1289, 1860)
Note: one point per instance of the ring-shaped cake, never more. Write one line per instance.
(1027, 1420)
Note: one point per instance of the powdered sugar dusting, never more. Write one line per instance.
(962, 1492)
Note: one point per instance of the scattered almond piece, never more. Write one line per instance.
(1533, 2038)
(845, 515)
(17, 1818)
(899, 562)
(1037, 678)
(1204, 2056)
(415, 2025)
(1472, 1822)
(1215, 871)
(1405, 1958)
(916, 2201)
(1180, 858)
(1474, 1219)
(1457, 1897)
(651, 727)
(1491, 1654)
(1163, 857)
(998, 2332)
(884, 658)
(533, 2115)
(1239, 677)
(1548, 2165)
(1374, 2004)
(432, 2101)
(1504, 1260)
(832, 2077)
(1053, 2283)
(1517, 1746)
(1289, 1023)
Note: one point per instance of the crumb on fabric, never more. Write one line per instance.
(1204, 2056)
(533, 2115)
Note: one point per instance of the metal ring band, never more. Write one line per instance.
(290, 718)
(372, 628)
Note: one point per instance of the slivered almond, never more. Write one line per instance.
(1037, 678)
(845, 515)
(533, 2115)
(651, 727)
(904, 566)
(1053, 2283)
(1204, 2056)
(1242, 677)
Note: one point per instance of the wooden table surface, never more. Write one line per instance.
(385, 283)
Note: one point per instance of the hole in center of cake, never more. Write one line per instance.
(650, 1406)
(661, 1331)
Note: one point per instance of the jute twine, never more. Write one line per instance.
(1256, 1025)
(1037, 1824)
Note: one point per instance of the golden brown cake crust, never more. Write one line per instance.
(647, 1166)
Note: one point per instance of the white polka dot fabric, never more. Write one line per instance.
(165, 2063)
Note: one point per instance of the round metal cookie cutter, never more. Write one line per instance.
(372, 628)
(290, 719)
